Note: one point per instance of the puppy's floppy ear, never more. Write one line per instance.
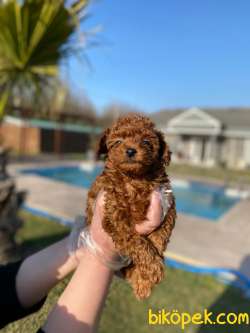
(102, 148)
(164, 151)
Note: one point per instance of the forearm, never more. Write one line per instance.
(42, 270)
(79, 307)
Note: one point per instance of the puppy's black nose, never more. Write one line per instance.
(131, 152)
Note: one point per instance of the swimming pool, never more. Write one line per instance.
(194, 198)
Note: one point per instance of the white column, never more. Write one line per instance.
(246, 155)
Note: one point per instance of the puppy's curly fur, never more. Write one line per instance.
(135, 165)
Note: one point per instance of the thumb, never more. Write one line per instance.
(153, 217)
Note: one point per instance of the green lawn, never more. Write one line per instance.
(227, 176)
(182, 291)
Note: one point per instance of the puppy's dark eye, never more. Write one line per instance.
(146, 142)
(117, 142)
(114, 143)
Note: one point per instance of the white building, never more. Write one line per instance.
(207, 136)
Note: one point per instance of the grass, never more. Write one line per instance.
(225, 175)
(182, 291)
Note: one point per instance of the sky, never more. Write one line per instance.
(167, 54)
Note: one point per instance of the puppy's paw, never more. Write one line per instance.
(142, 289)
(156, 271)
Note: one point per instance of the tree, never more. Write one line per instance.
(65, 106)
(115, 110)
(35, 37)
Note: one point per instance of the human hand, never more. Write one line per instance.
(154, 215)
(152, 221)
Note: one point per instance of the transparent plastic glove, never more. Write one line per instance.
(96, 240)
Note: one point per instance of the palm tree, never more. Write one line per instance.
(35, 37)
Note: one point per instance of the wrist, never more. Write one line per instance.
(89, 257)
(104, 244)
(97, 243)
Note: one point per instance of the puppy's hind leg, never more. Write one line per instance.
(141, 286)
(144, 277)
(147, 268)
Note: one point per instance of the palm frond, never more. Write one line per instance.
(78, 6)
(35, 36)
(3, 102)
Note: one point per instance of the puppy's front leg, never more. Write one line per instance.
(160, 237)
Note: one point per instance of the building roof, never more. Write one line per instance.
(163, 116)
(239, 118)
(230, 118)
(46, 124)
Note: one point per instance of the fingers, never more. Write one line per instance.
(97, 232)
(98, 209)
(153, 218)
(99, 202)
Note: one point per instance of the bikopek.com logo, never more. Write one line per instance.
(183, 319)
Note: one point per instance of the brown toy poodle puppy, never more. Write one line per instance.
(136, 160)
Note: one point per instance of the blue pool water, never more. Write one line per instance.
(195, 198)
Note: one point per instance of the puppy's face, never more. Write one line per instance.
(134, 146)
(133, 150)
